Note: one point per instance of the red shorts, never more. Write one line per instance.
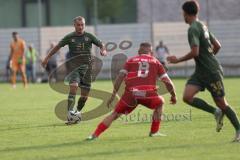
(129, 101)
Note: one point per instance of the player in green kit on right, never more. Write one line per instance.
(208, 72)
(80, 44)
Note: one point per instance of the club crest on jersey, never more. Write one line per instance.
(72, 40)
(86, 38)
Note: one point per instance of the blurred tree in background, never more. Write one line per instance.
(109, 11)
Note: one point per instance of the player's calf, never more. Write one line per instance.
(81, 103)
(156, 120)
(104, 125)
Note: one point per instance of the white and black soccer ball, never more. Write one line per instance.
(74, 116)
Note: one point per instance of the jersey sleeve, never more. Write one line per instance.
(63, 41)
(95, 40)
(193, 37)
(161, 70)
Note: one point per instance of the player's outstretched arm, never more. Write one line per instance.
(103, 50)
(193, 53)
(49, 55)
(116, 87)
(170, 87)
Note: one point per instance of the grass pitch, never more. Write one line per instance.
(29, 129)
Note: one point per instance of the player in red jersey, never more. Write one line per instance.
(140, 74)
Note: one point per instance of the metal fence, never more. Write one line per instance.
(174, 35)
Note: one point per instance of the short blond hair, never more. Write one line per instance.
(79, 18)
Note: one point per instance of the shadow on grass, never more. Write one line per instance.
(78, 143)
(24, 126)
(106, 141)
(125, 151)
(27, 148)
(114, 152)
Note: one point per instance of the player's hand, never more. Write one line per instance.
(173, 100)
(109, 102)
(103, 51)
(172, 59)
(44, 63)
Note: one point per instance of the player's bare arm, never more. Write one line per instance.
(116, 87)
(11, 55)
(103, 50)
(49, 55)
(24, 51)
(192, 54)
(170, 87)
(216, 46)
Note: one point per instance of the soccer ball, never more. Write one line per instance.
(74, 116)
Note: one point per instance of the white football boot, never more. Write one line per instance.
(73, 117)
(157, 134)
(237, 137)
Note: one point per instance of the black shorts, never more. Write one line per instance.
(213, 83)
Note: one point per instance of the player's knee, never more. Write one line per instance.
(162, 101)
(187, 99)
(73, 88)
(158, 103)
(73, 85)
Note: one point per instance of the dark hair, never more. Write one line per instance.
(14, 33)
(145, 44)
(144, 48)
(191, 7)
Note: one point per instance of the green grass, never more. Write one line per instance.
(29, 129)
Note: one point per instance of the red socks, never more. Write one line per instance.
(155, 126)
(100, 128)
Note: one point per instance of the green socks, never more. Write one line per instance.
(231, 115)
(71, 101)
(201, 104)
(81, 103)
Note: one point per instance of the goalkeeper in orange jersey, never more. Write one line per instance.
(17, 59)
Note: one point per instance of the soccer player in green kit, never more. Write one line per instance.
(208, 72)
(80, 44)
